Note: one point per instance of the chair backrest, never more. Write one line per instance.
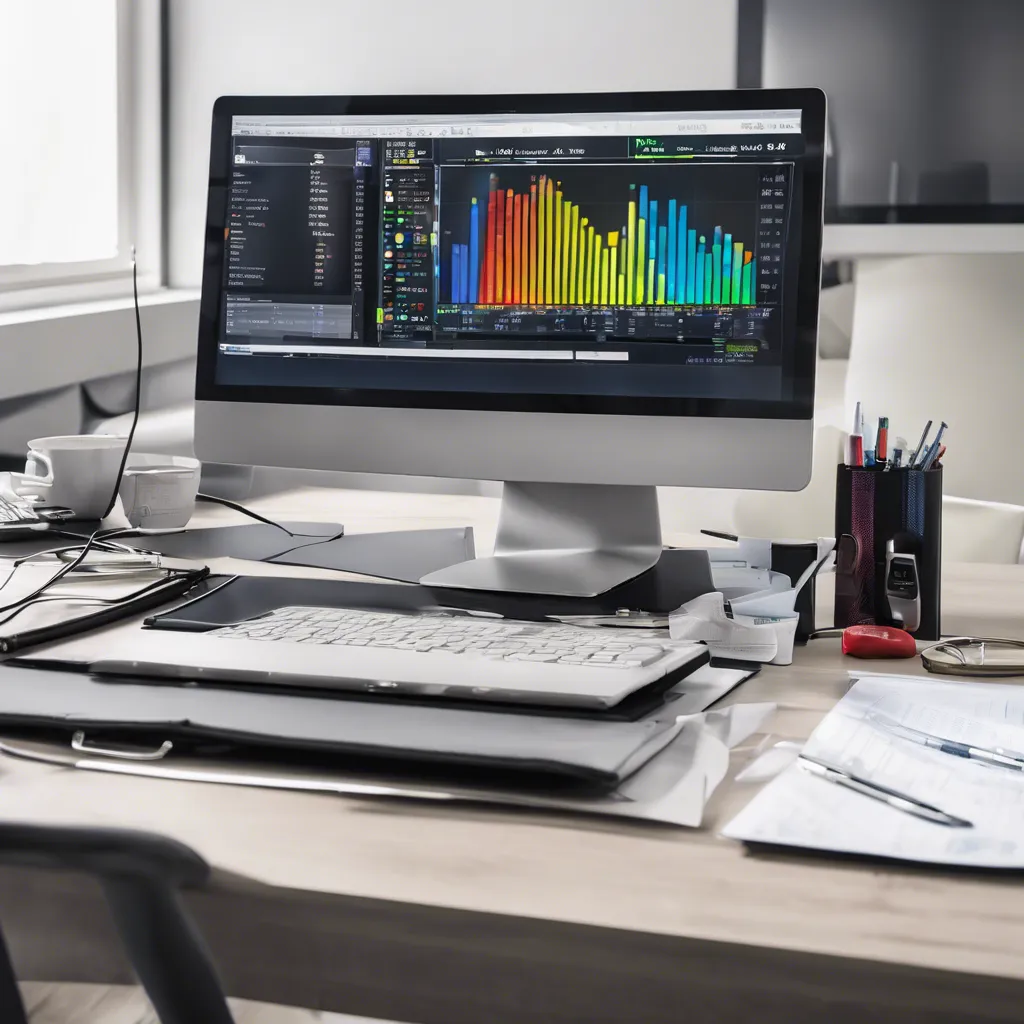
(939, 337)
(981, 531)
(140, 874)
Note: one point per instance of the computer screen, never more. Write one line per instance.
(523, 260)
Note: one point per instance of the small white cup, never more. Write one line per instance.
(159, 491)
(785, 631)
(76, 471)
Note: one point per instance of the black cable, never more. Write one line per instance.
(245, 511)
(60, 573)
(138, 601)
(169, 577)
(138, 388)
(64, 569)
(263, 519)
(99, 545)
(83, 598)
(100, 535)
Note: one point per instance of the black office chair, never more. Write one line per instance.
(140, 874)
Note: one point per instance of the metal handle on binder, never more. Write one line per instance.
(79, 743)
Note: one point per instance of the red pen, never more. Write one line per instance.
(882, 441)
(857, 440)
(856, 450)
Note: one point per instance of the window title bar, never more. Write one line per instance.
(730, 122)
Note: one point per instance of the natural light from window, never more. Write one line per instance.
(58, 126)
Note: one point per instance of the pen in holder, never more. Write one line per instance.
(889, 548)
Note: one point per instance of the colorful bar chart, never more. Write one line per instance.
(536, 247)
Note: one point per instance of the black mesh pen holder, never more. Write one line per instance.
(878, 512)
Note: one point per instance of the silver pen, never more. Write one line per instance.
(997, 756)
(893, 798)
(912, 461)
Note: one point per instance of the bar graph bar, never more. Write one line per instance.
(691, 265)
(507, 290)
(521, 258)
(474, 251)
(749, 271)
(534, 246)
(670, 288)
(699, 270)
(499, 247)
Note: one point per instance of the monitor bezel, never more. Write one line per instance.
(811, 103)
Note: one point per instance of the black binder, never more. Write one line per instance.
(407, 738)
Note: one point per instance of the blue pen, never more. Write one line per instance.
(933, 451)
(996, 756)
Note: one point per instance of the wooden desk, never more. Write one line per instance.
(467, 915)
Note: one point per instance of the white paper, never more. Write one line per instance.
(774, 761)
(676, 784)
(799, 809)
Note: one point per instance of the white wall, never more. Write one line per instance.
(269, 47)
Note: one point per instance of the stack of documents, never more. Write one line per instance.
(662, 767)
(923, 771)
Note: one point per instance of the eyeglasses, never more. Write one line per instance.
(975, 656)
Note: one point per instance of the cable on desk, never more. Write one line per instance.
(169, 576)
(97, 535)
(156, 593)
(138, 389)
(261, 519)
(212, 498)
(99, 545)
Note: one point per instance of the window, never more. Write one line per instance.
(78, 181)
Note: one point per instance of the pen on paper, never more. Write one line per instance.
(996, 756)
(883, 794)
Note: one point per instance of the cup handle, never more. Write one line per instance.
(42, 459)
(30, 483)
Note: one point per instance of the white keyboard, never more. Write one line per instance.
(477, 636)
(432, 654)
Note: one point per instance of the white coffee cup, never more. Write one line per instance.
(76, 471)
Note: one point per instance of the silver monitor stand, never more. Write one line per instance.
(575, 540)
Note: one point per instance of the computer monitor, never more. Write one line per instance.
(582, 296)
(924, 96)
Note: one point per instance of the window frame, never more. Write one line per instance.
(139, 90)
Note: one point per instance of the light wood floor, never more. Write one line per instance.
(122, 1004)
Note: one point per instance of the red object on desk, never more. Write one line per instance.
(878, 642)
